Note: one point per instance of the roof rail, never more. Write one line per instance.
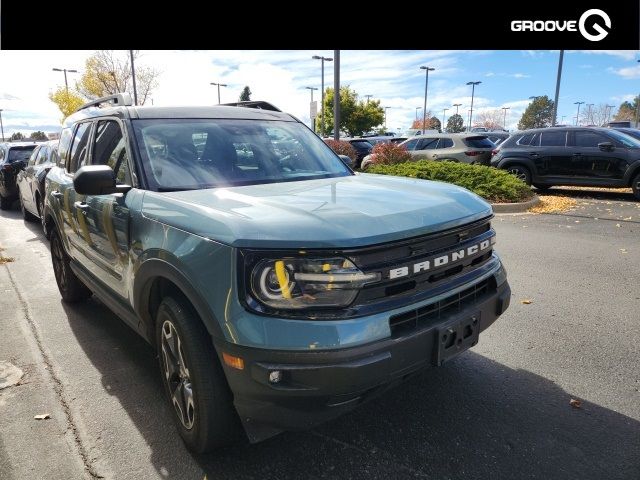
(259, 104)
(118, 99)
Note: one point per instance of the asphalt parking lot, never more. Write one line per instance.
(502, 410)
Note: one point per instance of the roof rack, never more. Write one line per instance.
(117, 99)
(259, 104)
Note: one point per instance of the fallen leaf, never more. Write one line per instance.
(623, 250)
(575, 403)
(42, 416)
(618, 225)
(628, 218)
(526, 301)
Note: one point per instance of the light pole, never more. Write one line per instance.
(1, 126)
(65, 70)
(426, 85)
(444, 112)
(534, 97)
(417, 108)
(611, 107)
(504, 123)
(219, 85)
(578, 114)
(563, 117)
(457, 105)
(473, 87)
(313, 123)
(385, 117)
(133, 79)
(555, 100)
(322, 60)
(368, 97)
(589, 119)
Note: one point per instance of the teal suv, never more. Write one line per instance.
(280, 288)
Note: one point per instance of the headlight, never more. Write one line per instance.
(299, 283)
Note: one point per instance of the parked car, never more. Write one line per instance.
(457, 147)
(579, 156)
(634, 132)
(279, 288)
(497, 137)
(363, 148)
(30, 179)
(374, 140)
(13, 157)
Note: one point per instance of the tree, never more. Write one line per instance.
(107, 73)
(598, 116)
(38, 136)
(67, 101)
(627, 110)
(431, 123)
(245, 96)
(491, 119)
(455, 123)
(538, 114)
(356, 116)
(16, 136)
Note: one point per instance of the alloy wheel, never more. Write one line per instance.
(59, 264)
(176, 373)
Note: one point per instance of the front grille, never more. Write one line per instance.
(430, 314)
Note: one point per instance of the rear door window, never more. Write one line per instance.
(428, 144)
(411, 144)
(445, 143)
(553, 138)
(525, 139)
(80, 146)
(587, 139)
(478, 142)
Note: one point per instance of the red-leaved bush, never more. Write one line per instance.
(342, 148)
(388, 154)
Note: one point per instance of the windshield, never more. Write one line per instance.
(194, 154)
(20, 153)
(625, 139)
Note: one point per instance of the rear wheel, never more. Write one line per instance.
(193, 379)
(521, 172)
(635, 185)
(71, 288)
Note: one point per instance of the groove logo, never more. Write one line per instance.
(568, 25)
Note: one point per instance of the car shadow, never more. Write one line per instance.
(472, 418)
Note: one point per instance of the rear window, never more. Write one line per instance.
(362, 145)
(554, 138)
(20, 153)
(478, 142)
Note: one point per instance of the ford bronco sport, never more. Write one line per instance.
(279, 288)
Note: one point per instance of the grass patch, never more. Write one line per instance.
(492, 184)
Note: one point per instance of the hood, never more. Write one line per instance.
(344, 212)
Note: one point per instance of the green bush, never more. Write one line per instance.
(490, 183)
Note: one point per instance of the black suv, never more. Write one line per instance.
(580, 156)
(13, 158)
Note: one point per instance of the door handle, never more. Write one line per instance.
(533, 154)
(577, 154)
(81, 206)
(56, 194)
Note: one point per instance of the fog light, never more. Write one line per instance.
(275, 376)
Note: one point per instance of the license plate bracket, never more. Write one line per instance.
(456, 337)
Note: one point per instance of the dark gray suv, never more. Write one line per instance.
(580, 156)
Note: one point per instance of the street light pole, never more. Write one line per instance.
(219, 85)
(385, 117)
(444, 112)
(417, 108)
(322, 60)
(504, 123)
(426, 85)
(589, 119)
(555, 101)
(578, 114)
(457, 105)
(473, 87)
(133, 79)
(1, 126)
(336, 95)
(610, 110)
(368, 97)
(65, 70)
(313, 123)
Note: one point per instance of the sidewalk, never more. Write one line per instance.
(30, 448)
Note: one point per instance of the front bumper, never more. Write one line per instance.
(317, 386)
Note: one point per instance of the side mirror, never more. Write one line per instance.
(97, 180)
(346, 160)
(606, 147)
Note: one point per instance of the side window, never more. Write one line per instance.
(109, 149)
(63, 146)
(587, 139)
(53, 156)
(42, 155)
(525, 139)
(553, 138)
(411, 144)
(34, 156)
(428, 144)
(79, 147)
(445, 143)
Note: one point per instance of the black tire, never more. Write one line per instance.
(5, 203)
(26, 214)
(43, 220)
(635, 185)
(71, 288)
(521, 172)
(542, 188)
(193, 379)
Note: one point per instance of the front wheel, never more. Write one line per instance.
(193, 379)
(635, 185)
(521, 172)
(71, 288)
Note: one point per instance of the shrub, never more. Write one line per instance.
(389, 154)
(342, 148)
(490, 183)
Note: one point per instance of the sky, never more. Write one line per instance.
(508, 79)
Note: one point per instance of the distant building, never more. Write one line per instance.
(53, 136)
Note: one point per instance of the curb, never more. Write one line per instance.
(515, 207)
